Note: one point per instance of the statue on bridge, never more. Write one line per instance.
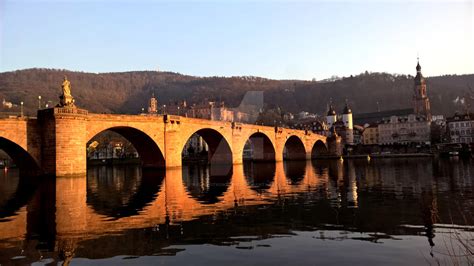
(66, 99)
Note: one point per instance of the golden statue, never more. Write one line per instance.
(66, 87)
(66, 98)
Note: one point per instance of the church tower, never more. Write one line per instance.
(153, 105)
(421, 101)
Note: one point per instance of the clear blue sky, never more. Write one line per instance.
(282, 40)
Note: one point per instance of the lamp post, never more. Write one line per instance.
(39, 102)
(21, 109)
(164, 109)
(178, 110)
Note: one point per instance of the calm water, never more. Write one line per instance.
(386, 211)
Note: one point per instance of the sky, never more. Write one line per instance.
(272, 39)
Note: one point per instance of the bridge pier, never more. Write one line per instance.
(173, 141)
(63, 133)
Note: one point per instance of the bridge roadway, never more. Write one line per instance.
(55, 142)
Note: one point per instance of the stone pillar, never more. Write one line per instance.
(237, 155)
(238, 143)
(64, 132)
(280, 141)
(334, 145)
(173, 141)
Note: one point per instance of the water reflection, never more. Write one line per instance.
(122, 191)
(295, 171)
(205, 184)
(15, 191)
(408, 206)
(259, 175)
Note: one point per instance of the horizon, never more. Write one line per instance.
(336, 77)
(268, 39)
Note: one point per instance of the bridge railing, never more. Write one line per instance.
(70, 111)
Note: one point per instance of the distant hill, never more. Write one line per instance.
(128, 92)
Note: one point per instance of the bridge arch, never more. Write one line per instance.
(319, 149)
(150, 153)
(294, 149)
(259, 147)
(23, 159)
(219, 150)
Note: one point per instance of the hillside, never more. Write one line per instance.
(128, 92)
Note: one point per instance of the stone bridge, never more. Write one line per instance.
(55, 142)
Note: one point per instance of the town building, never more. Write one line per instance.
(405, 130)
(367, 119)
(195, 147)
(218, 112)
(315, 125)
(357, 132)
(370, 135)
(461, 128)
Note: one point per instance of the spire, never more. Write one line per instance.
(419, 79)
(331, 110)
(347, 109)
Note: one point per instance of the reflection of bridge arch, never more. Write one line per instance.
(219, 151)
(203, 185)
(25, 190)
(262, 148)
(319, 149)
(148, 150)
(295, 171)
(20, 156)
(294, 149)
(259, 176)
(139, 188)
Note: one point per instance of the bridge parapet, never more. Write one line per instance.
(63, 111)
(172, 119)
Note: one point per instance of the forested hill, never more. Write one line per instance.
(128, 92)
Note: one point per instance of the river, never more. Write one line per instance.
(354, 212)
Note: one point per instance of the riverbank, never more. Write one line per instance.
(374, 156)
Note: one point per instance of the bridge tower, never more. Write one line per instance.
(63, 136)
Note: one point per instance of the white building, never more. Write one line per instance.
(331, 117)
(461, 128)
(343, 126)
